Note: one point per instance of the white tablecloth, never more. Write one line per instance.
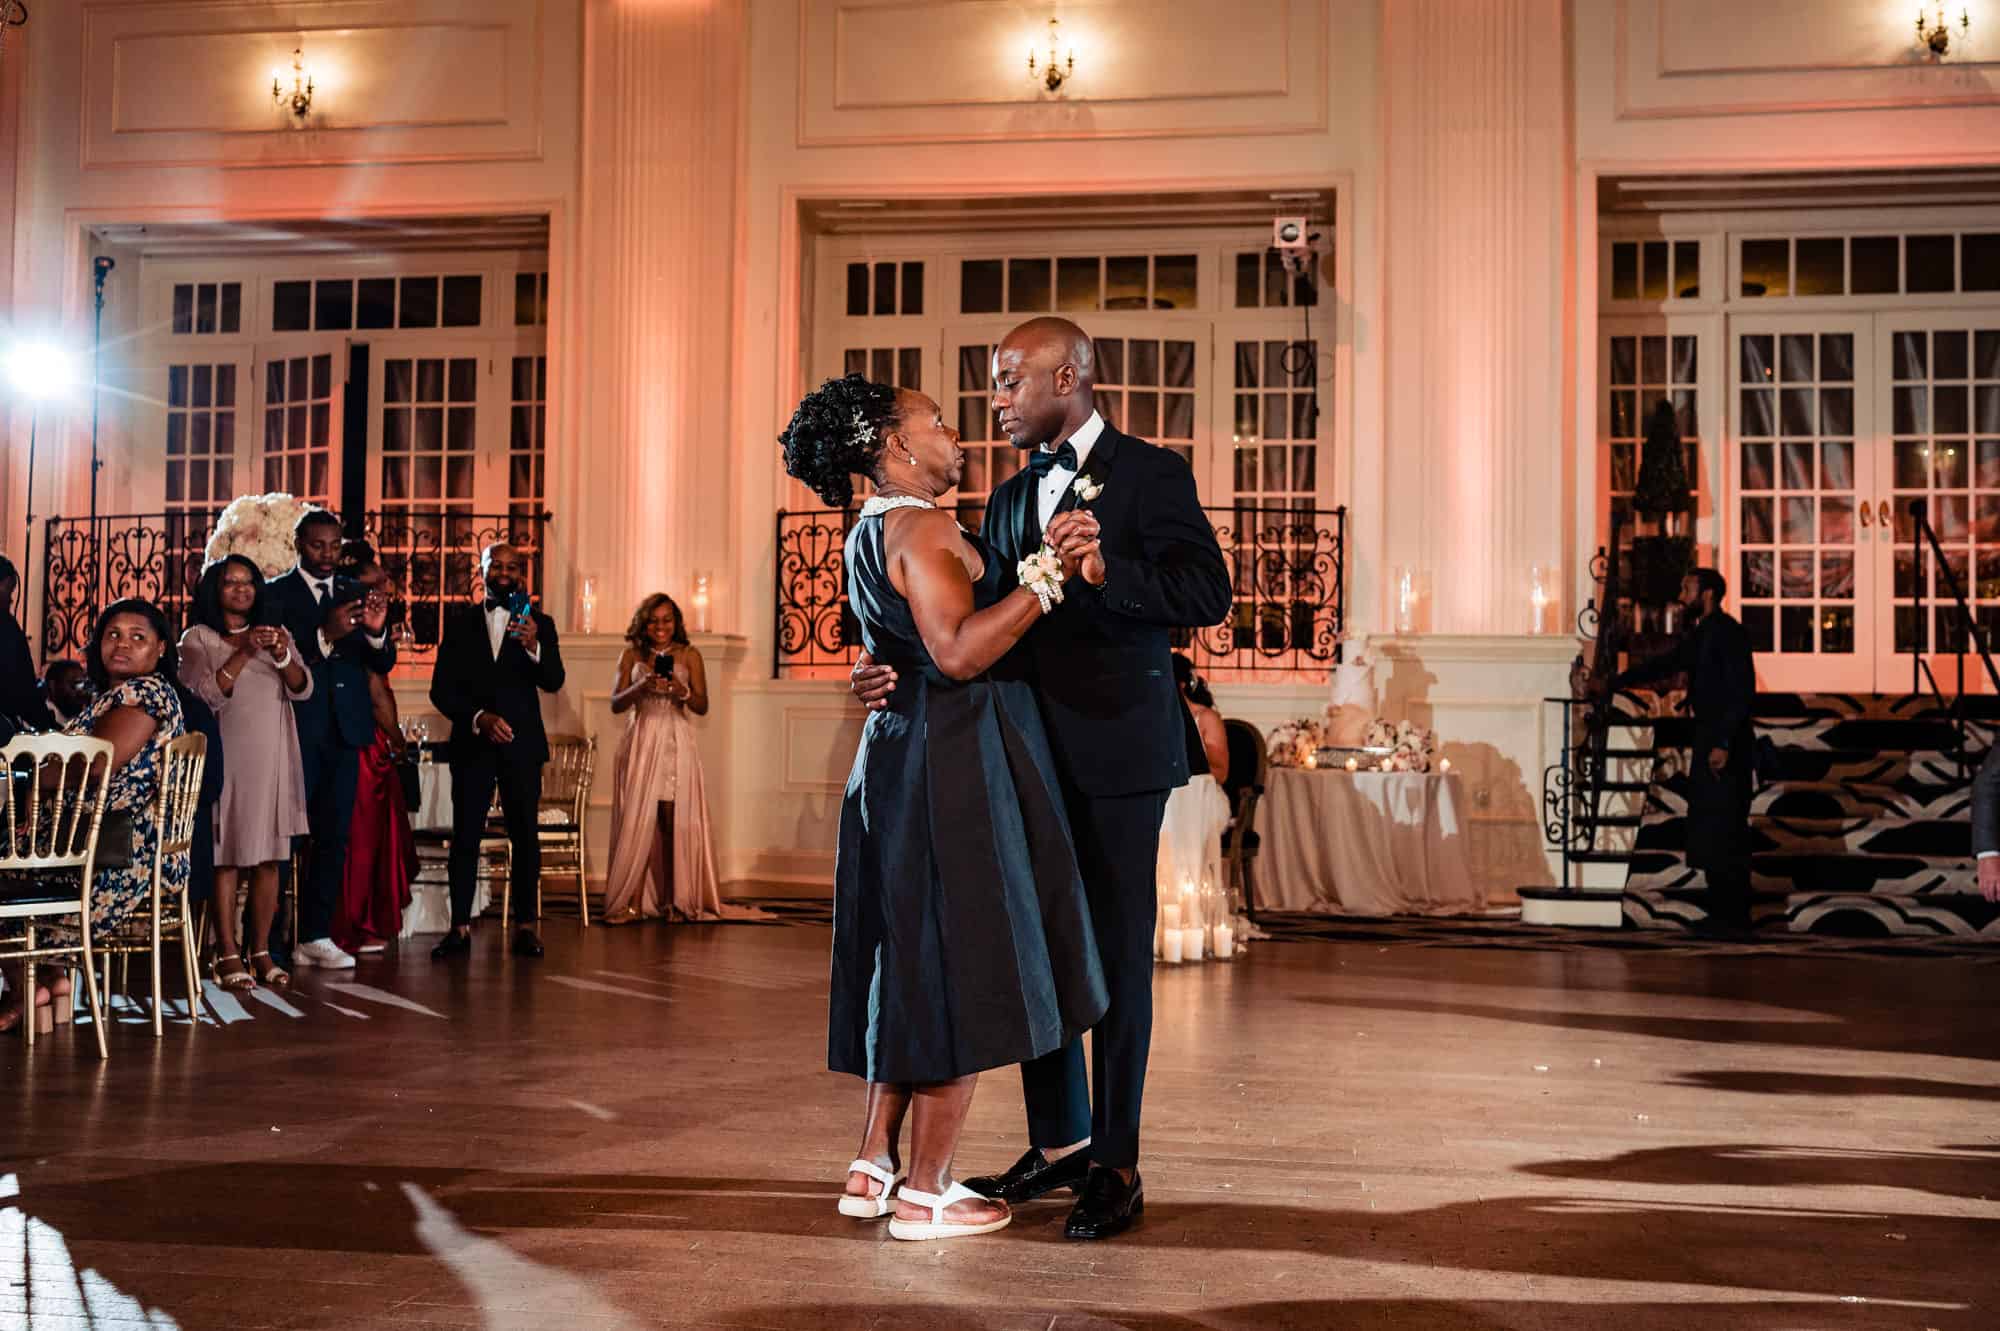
(1363, 843)
(430, 895)
(1191, 835)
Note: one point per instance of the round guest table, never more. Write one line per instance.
(1364, 843)
(429, 911)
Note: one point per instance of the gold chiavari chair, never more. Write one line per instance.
(559, 820)
(165, 919)
(50, 809)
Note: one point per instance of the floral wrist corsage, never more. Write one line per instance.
(1041, 572)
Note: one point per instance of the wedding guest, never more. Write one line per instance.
(20, 700)
(662, 860)
(130, 660)
(342, 631)
(252, 674)
(494, 660)
(65, 690)
(1207, 720)
(381, 848)
(961, 939)
(1714, 654)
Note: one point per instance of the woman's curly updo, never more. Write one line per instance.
(836, 434)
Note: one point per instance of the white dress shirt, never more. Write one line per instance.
(1058, 480)
(497, 620)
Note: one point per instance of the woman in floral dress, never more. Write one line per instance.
(130, 661)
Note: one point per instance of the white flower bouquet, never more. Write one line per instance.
(1294, 743)
(1413, 748)
(258, 527)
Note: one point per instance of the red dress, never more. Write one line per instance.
(381, 854)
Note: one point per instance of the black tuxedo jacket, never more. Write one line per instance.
(468, 679)
(1102, 663)
(339, 709)
(20, 691)
(1722, 684)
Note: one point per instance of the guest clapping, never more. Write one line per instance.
(251, 673)
(130, 661)
(662, 861)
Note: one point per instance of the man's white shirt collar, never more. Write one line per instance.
(1083, 440)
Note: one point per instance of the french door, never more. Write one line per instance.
(1806, 473)
(1939, 418)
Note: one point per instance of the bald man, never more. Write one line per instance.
(1102, 666)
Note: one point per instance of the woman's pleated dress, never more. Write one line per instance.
(961, 938)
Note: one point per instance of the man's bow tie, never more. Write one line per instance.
(495, 603)
(1041, 461)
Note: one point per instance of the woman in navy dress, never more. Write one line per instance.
(961, 937)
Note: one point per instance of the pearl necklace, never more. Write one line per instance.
(877, 505)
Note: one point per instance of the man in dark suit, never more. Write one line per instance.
(1102, 665)
(1986, 824)
(20, 697)
(494, 662)
(1714, 654)
(342, 633)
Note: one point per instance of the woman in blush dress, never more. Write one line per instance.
(381, 848)
(662, 861)
(249, 672)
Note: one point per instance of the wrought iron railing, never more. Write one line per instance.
(1955, 630)
(1573, 786)
(1288, 568)
(431, 558)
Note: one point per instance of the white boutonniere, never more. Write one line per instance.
(1086, 490)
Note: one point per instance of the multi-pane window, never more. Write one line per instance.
(298, 426)
(1079, 284)
(1796, 473)
(989, 458)
(527, 438)
(901, 367)
(531, 300)
(885, 288)
(340, 304)
(208, 307)
(1938, 263)
(1655, 270)
(1275, 441)
(201, 453)
(1945, 418)
(430, 410)
(1645, 371)
(1263, 282)
(1145, 387)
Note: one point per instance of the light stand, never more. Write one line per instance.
(101, 266)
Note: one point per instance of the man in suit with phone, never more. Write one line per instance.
(1103, 672)
(494, 662)
(342, 631)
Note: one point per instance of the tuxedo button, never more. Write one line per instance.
(1133, 606)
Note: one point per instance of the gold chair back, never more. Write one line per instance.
(166, 917)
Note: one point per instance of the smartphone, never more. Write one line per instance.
(663, 666)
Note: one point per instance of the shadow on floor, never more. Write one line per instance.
(1749, 1165)
(1813, 1083)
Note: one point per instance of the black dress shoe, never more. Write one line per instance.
(453, 944)
(1034, 1175)
(526, 944)
(1108, 1206)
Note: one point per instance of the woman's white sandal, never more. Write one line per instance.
(937, 1227)
(883, 1202)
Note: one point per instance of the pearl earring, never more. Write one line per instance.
(912, 457)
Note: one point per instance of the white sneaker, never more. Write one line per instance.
(324, 953)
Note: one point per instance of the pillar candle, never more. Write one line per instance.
(1170, 915)
(1225, 942)
(1191, 943)
(1171, 947)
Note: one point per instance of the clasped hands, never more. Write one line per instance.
(1075, 537)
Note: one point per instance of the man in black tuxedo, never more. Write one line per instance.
(1714, 654)
(1102, 665)
(493, 663)
(342, 632)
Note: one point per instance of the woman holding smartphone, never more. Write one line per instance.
(662, 863)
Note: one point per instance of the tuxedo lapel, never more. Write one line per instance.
(1096, 469)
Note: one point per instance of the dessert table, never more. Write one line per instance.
(1364, 843)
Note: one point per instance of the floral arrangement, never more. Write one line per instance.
(1414, 746)
(1294, 742)
(258, 527)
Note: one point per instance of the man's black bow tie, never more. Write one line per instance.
(1041, 461)
(496, 603)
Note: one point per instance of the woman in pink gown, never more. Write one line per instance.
(662, 862)
(381, 849)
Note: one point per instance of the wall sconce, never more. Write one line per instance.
(297, 99)
(1051, 73)
(1936, 33)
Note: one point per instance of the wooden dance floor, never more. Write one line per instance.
(1377, 1132)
